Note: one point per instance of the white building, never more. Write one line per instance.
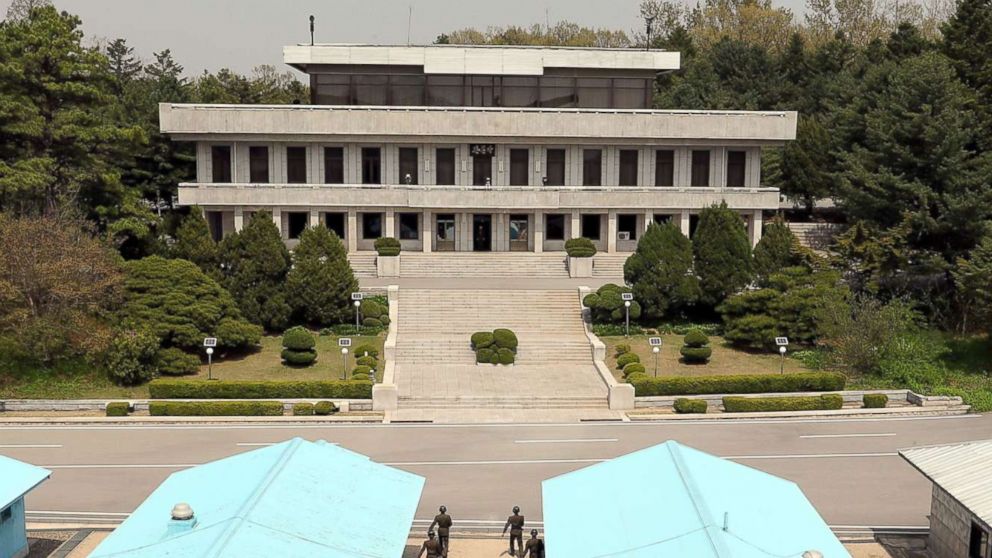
(476, 148)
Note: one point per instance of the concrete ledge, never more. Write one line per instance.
(387, 266)
(385, 397)
(192, 420)
(842, 413)
(579, 267)
(598, 347)
(389, 345)
(621, 397)
(716, 399)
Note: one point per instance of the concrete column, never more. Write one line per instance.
(576, 231)
(538, 234)
(239, 218)
(277, 219)
(314, 217)
(648, 219)
(390, 225)
(684, 222)
(351, 230)
(754, 227)
(611, 231)
(428, 232)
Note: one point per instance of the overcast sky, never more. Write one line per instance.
(241, 34)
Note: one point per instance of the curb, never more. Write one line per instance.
(362, 419)
(843, 413)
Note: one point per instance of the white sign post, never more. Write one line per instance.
(626, 298)
(782, 343)
(210, 343)
(357, 301)
(655, 343)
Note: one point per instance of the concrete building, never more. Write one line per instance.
(961, 508)
(476, 148)
(16, 480)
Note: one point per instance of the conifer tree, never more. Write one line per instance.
(193, 242)
(775, 250)
(321, 282)
(660, 272)
(254, 263)
(722, 254)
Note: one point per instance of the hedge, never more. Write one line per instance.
(622, 349)
(387, 246)
(633, 368)
(245, 389)
(580, 248)
(686, 406)
(118, 408)
(299, 358)
(875, 400)
(825, 402)
(369, 361)
(482, 339)
(695, 355)
(505, 339)
(323, 408)
(215, 408)
(484, 356)
(302, 409)
(366, 348)
(173, 361)
(505, 356)
(627, 358)
(298, 339)
(744, 383)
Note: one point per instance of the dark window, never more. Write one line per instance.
(664, 167)
(700, 168)
(298, 222)
(978, 543)
(220, 158)
(296, 165)
(333, 165)
(556, 167)
(592, 167)
(258, 164)
(519, 167)
(448, 91)
(591, 224)
(370, 89)
(445, 163)
(627, 224)
(693, 223)
(407, 90)
(409, 226)
(446, 227)
(662, 219)
(335, 222)
(736, 168)
(371, 166)
(408, 165)
(215, 222)
(628, 167)
(482, 170)
(555, 229)
(371, 225)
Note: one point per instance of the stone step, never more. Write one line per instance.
(513, 402)
(363, 265)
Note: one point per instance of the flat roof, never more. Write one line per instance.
(962, 470)
(19, 478)
(481, 59)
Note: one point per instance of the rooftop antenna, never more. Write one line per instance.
(547, 20)
(311, 30)
(647, 22)
(409, 22)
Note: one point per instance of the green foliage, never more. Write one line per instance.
(615, 330)
(685, 328)
(696, 338)
(482, 339)
(580, 248)
(875, 400)
(633, 368)
(814, 359)
(173, 361)
(505, 339)
(344, 330)
(606, 305)
(862, 334)
(298, 338)
(627, 358)
(130, 360)
(303, 409)
(744, 383)
(484, 356)
(365, 349)
(722, 254)
(973, 283)
(361, 370)
(225, 389)
(194, 243)
(254, 263)
(696, 355)
(369, 361)
(118, 409)
(215, 408)
(320, 283)
(660, 272)
(775, 251)
(377, 308)
(505, 355)
(324, 408)
(622, 349)
(387, 246)
(690, 406)
(299, 358)
(372, 323)
(826, 402)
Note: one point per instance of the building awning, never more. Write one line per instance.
(961, 470)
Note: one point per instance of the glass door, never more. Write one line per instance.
(482, 233)
(519, 233)
(445, 239)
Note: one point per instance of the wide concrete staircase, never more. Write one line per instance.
(362, 264)
(435, 364)
(484, 264)
(608, 265)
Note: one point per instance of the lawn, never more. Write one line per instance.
(725, 359)
(72, 380)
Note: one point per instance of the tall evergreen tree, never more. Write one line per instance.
(194, 243)
(321, 281)
(660, 272)
(775, 250)
(967, 43)
(973, 281)
(254, 263)
(722, 254)
(124, 65)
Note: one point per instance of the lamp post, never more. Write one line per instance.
(626, 328)
(656, 351)
(781, 351)
(344, 363)
(210, 363)
(358, 307)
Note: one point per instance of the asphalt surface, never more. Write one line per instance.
(848, 468)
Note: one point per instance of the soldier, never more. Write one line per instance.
(443, 522)
(515, 523)
(430, 546)
(535, 546)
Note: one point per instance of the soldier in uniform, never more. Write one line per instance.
(443, 522)
(515, 523)
(430, 546)
(535, 546)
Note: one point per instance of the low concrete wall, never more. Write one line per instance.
(385, 396)
(852, 396)
(387, 266)
(579, 267)
(620, 396)
(71, 405)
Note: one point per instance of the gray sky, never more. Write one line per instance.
(241, 34)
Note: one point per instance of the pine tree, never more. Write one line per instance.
(775, 250)
(722, 254)
(660, 272)
(194, 243)
(973, 283)
(124, 65)
(254, 263)
(967, 42)
(320, 284)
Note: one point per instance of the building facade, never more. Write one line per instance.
(481, 148)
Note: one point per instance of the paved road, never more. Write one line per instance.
(848, 468)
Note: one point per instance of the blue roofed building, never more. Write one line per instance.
(674, 501)
(295, 498)
(16, 479)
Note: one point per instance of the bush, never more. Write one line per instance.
(369, 361)
(875, 400)
(826, 402)
(298, 339)
(696, 355)
(580, 248)
(484, 356)
(696, 338)
(627, 358)
(744, 383)
(622, 349)
(660, 272)
(505, 355)
(130, 360)
(721, 254)
(302, 409)
(176, 362)
(215, 408)
(118, 409)
(387, 246)
(813, 359)
(682, 328)
(693, 406)
(299, 358)
(615, 330)
(606, 305)
(373, 322)
(495, 358)
(633, 368)
(360, 369)
(505, 339)
(323, 408)
(366, 349)
(224, 389)
(482, 339)
(320, 282)
(361, 377)
(344, 330)
(254, 263)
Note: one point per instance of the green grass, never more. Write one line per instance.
(71, 380)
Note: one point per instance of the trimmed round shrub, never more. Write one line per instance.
(323, 408)
(238, 334)
(372, 322)
(495, 358)
(580, 248)
(627, 358)
(361, 377)
(130, 359)
(696, 338)
(506, 356)
(299, 358)
(369, 361)
(302, 409)
(387, 246)
(361, 370)
(696, 355)
(633, 368)
(622, 348)
(118, 409)
(686, 406)
(372, 308)
(484, 356)
(482, 339)
(366, 349)
(875, 400)
(176, 362)
(636, 377)
(505, 339)
(298, 339)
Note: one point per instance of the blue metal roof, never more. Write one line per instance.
(18, 478)
(673, 500)
(296, 498)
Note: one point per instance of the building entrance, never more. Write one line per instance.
(482, 233)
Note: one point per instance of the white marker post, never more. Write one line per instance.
(210, 343)
(344, 343)
(627, 297)
(782, 343)
(357, 298)
(655, 343)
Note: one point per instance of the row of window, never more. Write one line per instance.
(482, 166)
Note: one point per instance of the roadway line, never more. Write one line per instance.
(809, 436)
(811, 456)
(575, 441)
(27, 446)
